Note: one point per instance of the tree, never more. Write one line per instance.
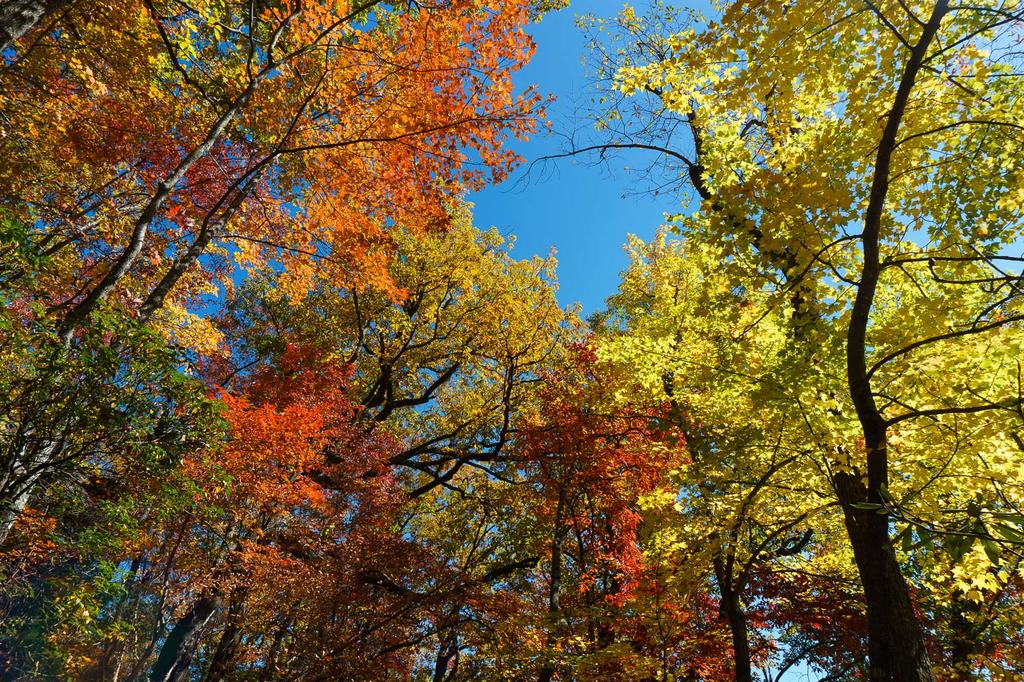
(859, 165)
(453, 369)
(271, 407)
(593, 464)
(155, 152)
(297, 508)
(87, 424)
(244, 116)
(254, 562)
(754, 502)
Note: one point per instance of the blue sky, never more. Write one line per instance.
(575, 207)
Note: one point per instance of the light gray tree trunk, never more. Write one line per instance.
(18, 17)
(19, 483)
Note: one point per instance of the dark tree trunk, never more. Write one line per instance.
(737, 619)
(896, 650)
(220, 663)
(731, 608)
(548, 671)
(446, 651)
(180, 646)
(270, 667)
(18, 17)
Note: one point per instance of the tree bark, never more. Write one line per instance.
(731, 608)
(220, 663)
(270, 666)
(11, 511)
(18, 17)
(548, 671)
(447, 648)
(737, 618)
(896, 651)
(176, 654)
(27, 467)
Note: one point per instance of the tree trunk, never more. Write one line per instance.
(18, 17)
(448, 647)
(10, 511)
(176, 654)
(554, 593)
(270, 665)
(736, 617)
(25, 472)
(220, 663)
(896, 650)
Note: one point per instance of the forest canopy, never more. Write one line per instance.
(274, 407)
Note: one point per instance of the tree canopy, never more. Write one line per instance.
(273, 407)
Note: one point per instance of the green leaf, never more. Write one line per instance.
(1013, 517)
(908, 539)
(1008, 533)
(992, 550)
(958, 545)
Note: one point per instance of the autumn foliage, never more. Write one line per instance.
(273, 408)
